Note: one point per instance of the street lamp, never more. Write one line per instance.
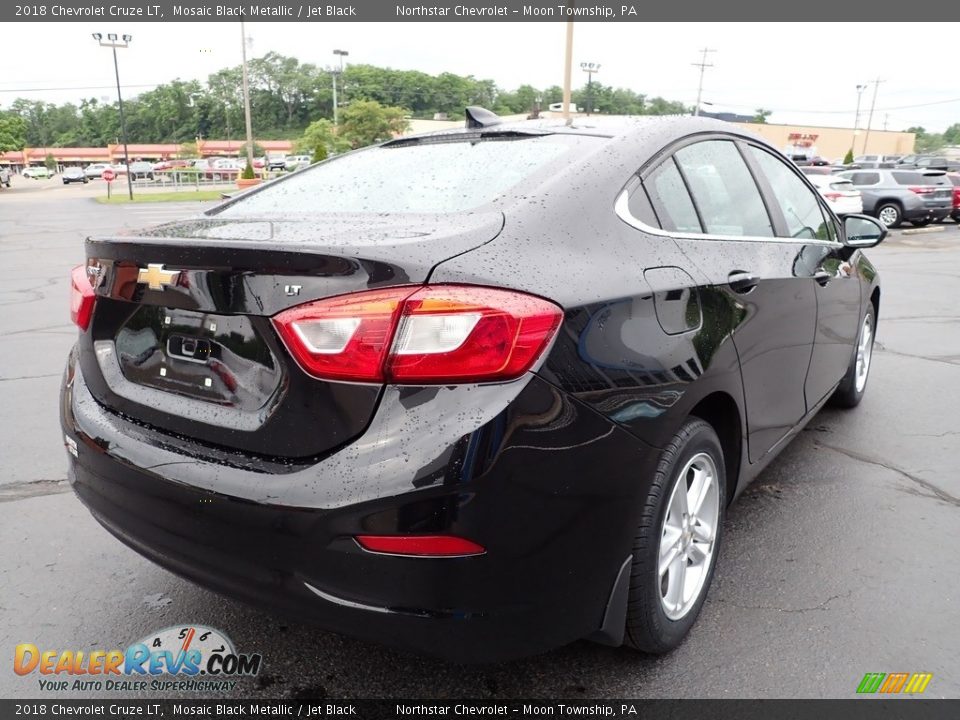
(246, 95)
(334, 73)
(113, 42)
(590, 68)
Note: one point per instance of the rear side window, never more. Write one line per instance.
(800, 205)
(864, 178)
(434, 177)
(908, 178)
(670, 199)
(723, 189)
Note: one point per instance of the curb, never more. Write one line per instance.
(918, 231)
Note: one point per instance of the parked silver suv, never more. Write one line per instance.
(892, 196)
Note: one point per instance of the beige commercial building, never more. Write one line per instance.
(831, 143)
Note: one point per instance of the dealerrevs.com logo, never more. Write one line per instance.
(190, 657)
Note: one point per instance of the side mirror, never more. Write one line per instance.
(862, 231)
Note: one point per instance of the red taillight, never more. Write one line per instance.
(82, 298)
(420, 545)
(833, 196)
(432, 334)
(922, 189)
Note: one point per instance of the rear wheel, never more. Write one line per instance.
(676, 543)
(890, 215)
(854, 384)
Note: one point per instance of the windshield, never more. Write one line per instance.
(431, 176)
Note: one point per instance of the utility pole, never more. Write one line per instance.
(567, 73)
(886, 119)
(246, 96)
(856, 118)
(590, 69)
(703, 65)
(876, 86)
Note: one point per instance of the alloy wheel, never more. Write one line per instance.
(864, 353)
(889, 215)
(688, 536)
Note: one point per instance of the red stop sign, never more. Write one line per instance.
(108, 175)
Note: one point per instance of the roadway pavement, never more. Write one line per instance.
(840, 559)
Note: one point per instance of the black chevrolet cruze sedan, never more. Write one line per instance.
(478, 393)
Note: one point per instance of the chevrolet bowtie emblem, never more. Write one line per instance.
(156, 277)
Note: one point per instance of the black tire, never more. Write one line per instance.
(894, 211)
(648, 627)
(847, 395)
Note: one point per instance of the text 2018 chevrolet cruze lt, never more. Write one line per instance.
(477, 394)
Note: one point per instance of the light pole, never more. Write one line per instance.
(567, 70)
(334, 73)
(246, 96)
(590, 68)
(113, 42)
(856, 117)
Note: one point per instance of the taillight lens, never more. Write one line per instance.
(82, 298)
(423, 335)
(922, 189)
(833, 196)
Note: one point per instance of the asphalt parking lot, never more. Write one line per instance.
(840, 559)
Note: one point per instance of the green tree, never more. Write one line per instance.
(760, 115)
(848, 158)
(367, 122)
(51, 162)
(13, 132)
(321, 134)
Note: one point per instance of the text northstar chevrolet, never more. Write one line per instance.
(478, 393)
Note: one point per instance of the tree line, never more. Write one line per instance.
(285, 97)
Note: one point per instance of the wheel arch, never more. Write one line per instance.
(721, 411)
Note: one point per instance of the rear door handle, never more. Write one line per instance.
(822, 277)
(742, 282)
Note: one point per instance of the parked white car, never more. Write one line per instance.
(95, 170)
(295, 162)
(843, 197)
(36, 171)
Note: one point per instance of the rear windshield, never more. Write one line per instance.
(432, 177)
(919, 178)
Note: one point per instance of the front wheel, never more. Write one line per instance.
(677, 540)
(850, 391)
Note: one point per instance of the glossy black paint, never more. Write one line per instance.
(547, 472)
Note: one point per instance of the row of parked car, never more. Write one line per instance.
(915, 195)
(218, 168)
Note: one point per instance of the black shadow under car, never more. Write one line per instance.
(477, 394)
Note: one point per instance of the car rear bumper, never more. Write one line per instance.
(550, 489)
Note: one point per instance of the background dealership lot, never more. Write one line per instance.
(839, 560)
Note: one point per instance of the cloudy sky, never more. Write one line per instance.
(800, 71)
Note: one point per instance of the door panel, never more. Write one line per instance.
(774, 337)
(838, 320)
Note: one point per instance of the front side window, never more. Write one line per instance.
(723, 189)
(799, 204)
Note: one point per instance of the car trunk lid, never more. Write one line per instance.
(181, 337)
